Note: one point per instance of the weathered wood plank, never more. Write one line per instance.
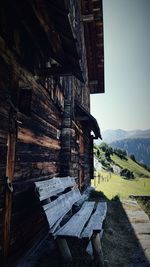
(54, 186)
(45, 126)
(75, 225)
(35, 170)
(10, 166)
(96, 220)
(56, 181)
(27, 136)
(59, 207)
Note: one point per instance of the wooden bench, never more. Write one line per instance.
(70, 215)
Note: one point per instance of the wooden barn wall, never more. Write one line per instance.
(4, 115)
(82, 94)
(80, 155)
(87, 164)
(29, 224)
(38, 147)
(75, 153)
(4, 118)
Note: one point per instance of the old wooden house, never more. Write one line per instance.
(51, 60)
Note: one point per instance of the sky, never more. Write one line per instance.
(126, 101)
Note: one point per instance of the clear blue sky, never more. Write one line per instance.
(126, 102)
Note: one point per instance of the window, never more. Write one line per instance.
(24, 105)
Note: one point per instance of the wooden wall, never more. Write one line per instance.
(4, 114)
(38, 145)
(38, 124)
(29, 224)
(49, 141)
(4, 111)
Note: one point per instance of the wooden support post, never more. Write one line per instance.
(7, 209)
(97, 250)
(64, 250)
(89, 250)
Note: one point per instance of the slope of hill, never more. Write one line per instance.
(135, 142)
(112, 184)
(132, 166)
(110, 158)
(140, 147)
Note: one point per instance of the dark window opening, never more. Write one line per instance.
(25, 96)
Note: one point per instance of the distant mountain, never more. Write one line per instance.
(110, 136)
(135, 142)
(113, 135)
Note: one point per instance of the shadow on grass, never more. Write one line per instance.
(97, 195)
(120, 245)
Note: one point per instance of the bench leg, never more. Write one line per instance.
(97, 250)
(64, 250)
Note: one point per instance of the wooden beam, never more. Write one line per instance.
(47, 72)
(10, 165)
(64, 250)
(97, 249)
(82, 118)
(87, 18)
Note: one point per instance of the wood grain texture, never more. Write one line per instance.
(10, 166)
(96, 220)
(75, 225)
(59, 207)
(52, 187)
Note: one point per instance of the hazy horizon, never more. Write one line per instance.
(122, 129)
(126, 130)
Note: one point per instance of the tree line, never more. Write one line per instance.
(103, 153)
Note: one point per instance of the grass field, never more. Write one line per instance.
(117, 186)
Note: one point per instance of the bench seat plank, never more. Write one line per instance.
(76, 204)
(75, 225)
(96, 220)
(57, 209)
(54, 186)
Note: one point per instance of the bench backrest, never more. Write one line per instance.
(58, 195)
(54, 186)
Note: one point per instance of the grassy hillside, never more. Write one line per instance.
(116, 185)
(112, 184)
(128, 163)
(140, 147)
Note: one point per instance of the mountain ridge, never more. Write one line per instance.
(110, 136)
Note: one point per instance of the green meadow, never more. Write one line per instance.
(128, 163)
(113, 185)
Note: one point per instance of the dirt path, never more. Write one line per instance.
(126, 240)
